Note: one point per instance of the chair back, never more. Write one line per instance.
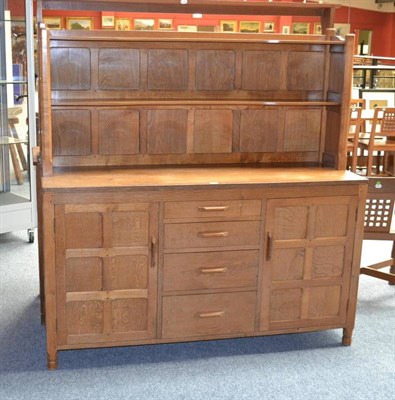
(355, 123)
(379, 209)
(358, 103)
(384, 121)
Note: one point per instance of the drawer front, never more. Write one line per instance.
(204, 209)
(208, 314)
(211, 234)
(213, 270)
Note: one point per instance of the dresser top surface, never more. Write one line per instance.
(195, 177)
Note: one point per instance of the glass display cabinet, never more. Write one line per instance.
(17, 117)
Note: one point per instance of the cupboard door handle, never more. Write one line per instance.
(213, 208)
(269, 247)
(213, 234)
(212, 314)
(213, 270)
(154, 252)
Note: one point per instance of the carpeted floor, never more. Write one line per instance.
(302, 366)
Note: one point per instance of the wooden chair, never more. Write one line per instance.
(354, 130)
(378, 219)
(380, 139)
(358, 103)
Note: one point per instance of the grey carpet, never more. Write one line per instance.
(301, 366)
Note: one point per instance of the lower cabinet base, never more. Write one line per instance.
(52, 358)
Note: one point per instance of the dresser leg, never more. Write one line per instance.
(52, 360)
(347, 337)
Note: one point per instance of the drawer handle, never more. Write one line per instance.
(213, 208)
(269, 248)
(212, 314)
(213, 270)
(213, 234)
(154, 252)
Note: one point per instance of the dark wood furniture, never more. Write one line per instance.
(194, 187)
(378, 220)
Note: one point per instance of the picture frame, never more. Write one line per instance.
(268, 26)
(143, 24)
(122, 24)
(317, 28)
(79, 23)
(53, 22)
(342, 29)
(228, 26)
(187, 28)
(249, 26)
(108, 22)
(285, 30)
(300, 28)
(165, 24)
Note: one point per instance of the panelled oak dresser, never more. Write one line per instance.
(193, 186)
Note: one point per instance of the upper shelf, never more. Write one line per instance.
(326, 12)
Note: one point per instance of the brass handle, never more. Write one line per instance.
(269, 247)
(212, 314)
(213, 234)
(154, 252)
(213, 270)
(213, 208)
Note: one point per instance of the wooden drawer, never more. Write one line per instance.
(211, 234)
(208, 314)
(213, 270)
(204, 209)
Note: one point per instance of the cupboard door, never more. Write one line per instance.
(106, 272)
(307, 263)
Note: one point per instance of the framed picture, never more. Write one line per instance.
(342, 29)
(228, 26)
(122, 24)
(250, 26)
(53, 22)
(285, 30)
(164, 23)
(268, 26)
(108, 22)
(144, 24)
(187, 28)
(317, 28)
(300, 28)
(81, 23)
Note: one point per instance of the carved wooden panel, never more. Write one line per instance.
(328, 262)
(129, 315)
(288, 264)
(259, 130)
(215, 69)
(325, 301)
(167, 69)
(336, 72)
(119, 69)
(258, 66)
(84, 317)
(213, 131)
(336, 226)
(91, 236)
(127, 272)
(302, 130)
(119, 132)
(71, 131)
(285, 304)
(129, 228)
(84, 274)
(166, 131)
(305, 70)
(291, 222)
(70, 69)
